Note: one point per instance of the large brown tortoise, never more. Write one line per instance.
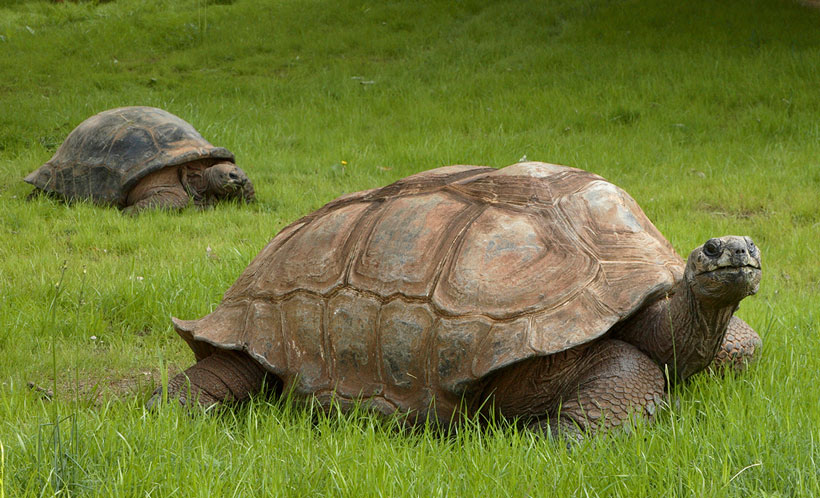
(535, 292)
(141, 157)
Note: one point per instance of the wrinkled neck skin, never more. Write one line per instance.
(681, 332)
(192, 176)
(212, 187)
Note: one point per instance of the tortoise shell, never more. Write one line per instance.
(414, 292)
(104, 157)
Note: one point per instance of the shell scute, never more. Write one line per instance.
(511, 263)
(264, 337)
(248, 284)
(224, 327)
(456, 345)
(504, 343)
(404, 329)
(406, 245)
(610, 222)
(511, 189)
(313, 258)
(627, 282)
(576, 321)
(134, 144)
(351, 328)
(303, 321)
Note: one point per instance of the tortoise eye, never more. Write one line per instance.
(711, 248)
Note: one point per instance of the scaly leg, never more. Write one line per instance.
(739, 346)
(581, 390)
(159, 198)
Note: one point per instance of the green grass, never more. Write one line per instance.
(706, 112)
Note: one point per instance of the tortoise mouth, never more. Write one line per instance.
(730, 282)
(725, 270)
(231, 188)
(733, 275)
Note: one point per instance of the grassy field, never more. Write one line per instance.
(707, 112)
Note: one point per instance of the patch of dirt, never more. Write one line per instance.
(811, 3)
(96, 390)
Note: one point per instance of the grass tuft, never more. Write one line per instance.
(55, 452)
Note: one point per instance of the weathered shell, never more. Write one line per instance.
(412, 292)
(104, 157)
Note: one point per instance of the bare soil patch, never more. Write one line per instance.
(95, 390)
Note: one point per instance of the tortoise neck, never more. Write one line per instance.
(679, 331)
(194, 179)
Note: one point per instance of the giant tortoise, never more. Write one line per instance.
(536, 292)
(140, 157)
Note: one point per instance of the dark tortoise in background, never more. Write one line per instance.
(537, 291)
(141, 157)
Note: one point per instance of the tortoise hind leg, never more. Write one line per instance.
(34, 194)
(582, 390)
(221, 377)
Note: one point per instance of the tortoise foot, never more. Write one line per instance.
(739, 347)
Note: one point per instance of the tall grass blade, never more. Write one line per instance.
(2, 471)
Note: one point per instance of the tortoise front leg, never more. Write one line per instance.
(221, 377)
(172, 198)
(580, 391)
(739, 346)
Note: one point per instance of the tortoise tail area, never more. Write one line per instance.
(216, 333)
(94, 182)
(185, 329)
(218, 376)
(41, 181)
(32, 177)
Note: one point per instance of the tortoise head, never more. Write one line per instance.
(227, 181)
(724, 270)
